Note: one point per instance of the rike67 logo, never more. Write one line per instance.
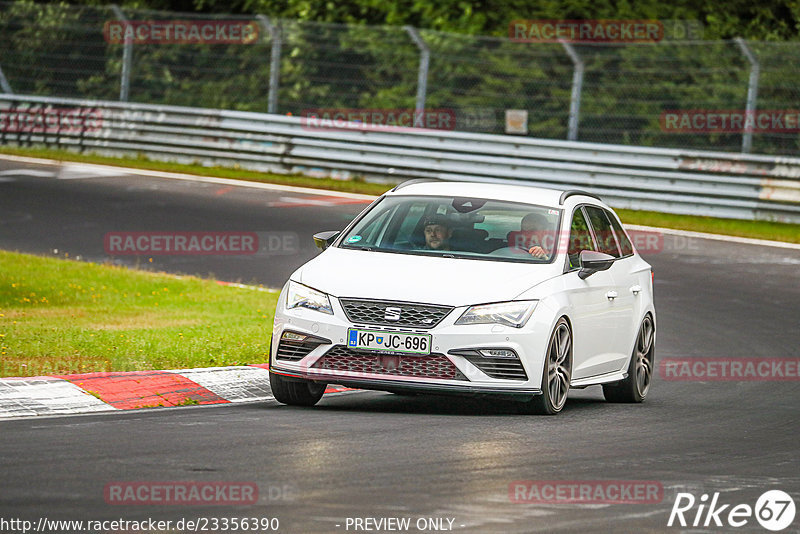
(774, 510)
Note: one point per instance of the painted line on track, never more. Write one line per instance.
(194, 177)
(716, 237)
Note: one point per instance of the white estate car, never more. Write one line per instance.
(468, 288)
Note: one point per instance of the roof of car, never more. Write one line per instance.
(508, 192)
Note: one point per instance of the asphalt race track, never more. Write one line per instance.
(378, 455)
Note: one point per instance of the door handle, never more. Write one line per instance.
(612, 295)
(636, 289)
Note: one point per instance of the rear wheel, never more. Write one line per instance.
(295, 392)
(640, 371)
(557, 373)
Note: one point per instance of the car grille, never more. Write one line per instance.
(411, 315)
(293, 351)
(340, 358)
(505, 368)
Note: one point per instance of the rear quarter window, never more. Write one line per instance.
(624, 243)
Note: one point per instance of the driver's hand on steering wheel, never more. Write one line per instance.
(537, 252)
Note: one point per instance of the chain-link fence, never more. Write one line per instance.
(607, 93)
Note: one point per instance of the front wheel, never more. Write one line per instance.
(295, 392)
(557, 373)
(640, 371)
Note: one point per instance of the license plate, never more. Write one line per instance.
(394, 342)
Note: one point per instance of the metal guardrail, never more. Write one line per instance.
(668, 180)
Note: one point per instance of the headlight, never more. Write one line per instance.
(514, 314)
(300, 296)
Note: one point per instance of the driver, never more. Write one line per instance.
(533, 222)
(437, 233)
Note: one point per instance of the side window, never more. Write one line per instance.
(622, 238)
(579, 239)
(606, 241)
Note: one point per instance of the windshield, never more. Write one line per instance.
(458, 227)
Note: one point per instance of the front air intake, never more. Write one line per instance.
(340, 358)
(294, 346)
(505, 368)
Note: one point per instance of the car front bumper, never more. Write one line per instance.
(465, 378)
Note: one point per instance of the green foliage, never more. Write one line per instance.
(371, 62)
(724, 19)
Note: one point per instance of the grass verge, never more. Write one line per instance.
(65, 317)
(773, 231)
(713, 225)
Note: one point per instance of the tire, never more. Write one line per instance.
(640, 369)
(557, 373)
(295, 392)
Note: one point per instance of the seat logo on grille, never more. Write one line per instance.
(392, 313)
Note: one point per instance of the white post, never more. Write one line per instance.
(577, 88)
(127, 57)
(752, 95)
(275, 61)
(4, 85)
(422, 75)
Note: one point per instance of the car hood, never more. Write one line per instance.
(414, 278)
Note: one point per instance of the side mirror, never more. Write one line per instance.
(324, 239)
(592, 261)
